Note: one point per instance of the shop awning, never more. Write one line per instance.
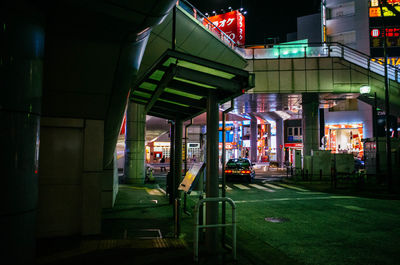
(178, 84)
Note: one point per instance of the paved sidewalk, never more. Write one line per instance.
(138, 230)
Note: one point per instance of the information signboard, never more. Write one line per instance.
(191, 174)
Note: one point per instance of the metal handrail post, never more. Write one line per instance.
(197, 225)
(223, 166)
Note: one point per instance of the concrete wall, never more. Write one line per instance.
(71, 177)
(309, 27)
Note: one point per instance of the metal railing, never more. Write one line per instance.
(295, 50)
(197, 225)
(194, 12)
(314, 50)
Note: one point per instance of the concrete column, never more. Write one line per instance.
(212, 171)
(279, 141)
(310, 123)
(253, 139)
(170, 177)
(177, 172)
(135, 143)
(21, 52)
(177, 156)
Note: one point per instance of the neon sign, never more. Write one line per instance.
(375, 33)
(232, 23)
(390, 32)
(395, 61)
(392, 37)
(390, 9)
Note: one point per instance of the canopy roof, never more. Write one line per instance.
(178, 84)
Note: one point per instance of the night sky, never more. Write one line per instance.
(265, 18)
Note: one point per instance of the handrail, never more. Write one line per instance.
(303, 50)
(313, 50)
(196, 13)
(197, 226)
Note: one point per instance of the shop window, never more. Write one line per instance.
(294, 131)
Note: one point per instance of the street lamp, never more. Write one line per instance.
(365, 91)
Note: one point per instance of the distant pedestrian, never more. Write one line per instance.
(194, 159)
(162, 161)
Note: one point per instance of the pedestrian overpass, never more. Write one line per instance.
(322, 68)
(330, 69)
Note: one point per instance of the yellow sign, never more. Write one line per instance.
(190, 176)
(395, 61)
(376, 11)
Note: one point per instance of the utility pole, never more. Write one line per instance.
(387, 106)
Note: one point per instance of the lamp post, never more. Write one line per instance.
(387, 106)
(365, 90)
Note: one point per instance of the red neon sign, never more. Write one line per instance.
(375, 33)
(232, 23)
(390, 32)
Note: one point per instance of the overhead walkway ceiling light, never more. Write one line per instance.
(365, 90)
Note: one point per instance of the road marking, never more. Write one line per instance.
(240, 186)
(226, 187)
(273, 186)
(309, 192)
(303, 199)
(260, 187)
(352, 207)
(292, 187)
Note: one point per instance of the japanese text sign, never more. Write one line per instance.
(232, 23)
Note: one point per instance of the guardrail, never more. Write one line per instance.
(197, 226)
(313, 50)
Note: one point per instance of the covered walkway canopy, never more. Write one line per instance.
(177, 85)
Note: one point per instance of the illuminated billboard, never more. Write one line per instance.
(395, 61)
(390, 8)
(232, 23)
(392, 37)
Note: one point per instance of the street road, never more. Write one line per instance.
(291, 224)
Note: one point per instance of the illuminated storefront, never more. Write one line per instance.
(233, 139)
(290, 149)
(345, 138)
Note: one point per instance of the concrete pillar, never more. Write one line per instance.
(177, 172)
(177, 156)
(21, 52)
(170, 177)
(253, 139)
(71, 177)
(310, 123)
(279, 141)
(135, 143)
(212, 171)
